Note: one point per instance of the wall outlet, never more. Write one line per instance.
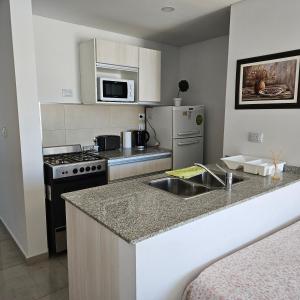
(4, 132)
(67, 92)
(141, 117)
(256, 137)
(142, 122)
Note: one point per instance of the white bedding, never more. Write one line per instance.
(268, 269)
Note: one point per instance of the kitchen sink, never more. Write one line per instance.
(179, 187)
(211, 182)
(187, 188)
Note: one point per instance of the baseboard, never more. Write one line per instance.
(37, 258)
(14, 238)
(31, 259)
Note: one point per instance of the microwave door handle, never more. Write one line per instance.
(187, 143)
(188, 133)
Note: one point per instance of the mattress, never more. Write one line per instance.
(267, 269)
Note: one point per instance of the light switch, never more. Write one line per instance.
(67, 92)
(256, 137)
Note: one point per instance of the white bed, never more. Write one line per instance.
(268, 269)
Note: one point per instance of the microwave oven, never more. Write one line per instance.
(116, 90)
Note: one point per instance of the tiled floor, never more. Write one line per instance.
(46, 280)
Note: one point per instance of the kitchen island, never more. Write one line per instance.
(128, 240)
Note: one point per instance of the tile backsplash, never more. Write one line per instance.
(65, 124)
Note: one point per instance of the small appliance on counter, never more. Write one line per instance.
(140, 138)
(127, 139)
(67, 169)
(107, 142)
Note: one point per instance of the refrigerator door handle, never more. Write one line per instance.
(188, 143)
(188, 133)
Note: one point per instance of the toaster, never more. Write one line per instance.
(107, 142)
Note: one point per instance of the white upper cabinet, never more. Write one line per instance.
(114, 53)
(149, 75)
(102, 58)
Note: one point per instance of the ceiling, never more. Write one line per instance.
(192, 20)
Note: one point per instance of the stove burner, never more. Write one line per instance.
(69, 158)
(79, 157)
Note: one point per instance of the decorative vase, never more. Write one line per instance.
(259, 86)
(177, 101)
(277, 174)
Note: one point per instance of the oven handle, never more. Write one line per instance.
(48, 192)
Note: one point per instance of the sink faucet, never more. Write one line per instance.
(228, 176)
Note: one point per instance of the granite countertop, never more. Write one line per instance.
(136, 211)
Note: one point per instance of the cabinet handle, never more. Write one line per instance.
(187, 143)
(188, 132)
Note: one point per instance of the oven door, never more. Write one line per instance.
(55, 206)
(115, 90)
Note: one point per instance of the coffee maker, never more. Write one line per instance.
(140, 138)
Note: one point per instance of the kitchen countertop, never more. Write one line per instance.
(136, 211)
(121, 156)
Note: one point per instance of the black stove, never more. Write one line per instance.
(67, 169)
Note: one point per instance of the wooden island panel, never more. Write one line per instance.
(100, 264)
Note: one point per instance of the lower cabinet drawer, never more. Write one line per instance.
(139, 168)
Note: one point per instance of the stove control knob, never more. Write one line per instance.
(81, 169)
(75, 171)
(87, 169)
(99, 167)
(93, 168)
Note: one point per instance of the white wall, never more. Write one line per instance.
(66, 124)
(57, 58)
(22, 205)
(204, 65)
(12, 206)
(257, 28)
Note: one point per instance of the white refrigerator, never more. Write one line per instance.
(180, 129)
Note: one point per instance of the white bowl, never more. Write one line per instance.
(237, 161)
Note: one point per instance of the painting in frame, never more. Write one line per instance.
(269, 81)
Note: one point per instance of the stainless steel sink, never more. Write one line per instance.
(211, 182)
(187, 188)
(179, 187)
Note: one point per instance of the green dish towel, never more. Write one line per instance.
(186, 173)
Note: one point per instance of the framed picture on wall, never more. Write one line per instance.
(270, 81)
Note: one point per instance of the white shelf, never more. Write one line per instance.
(116, 67)
(128, 103)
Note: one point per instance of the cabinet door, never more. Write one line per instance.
(115, 53)
(187, 151)
(188, 121)
(139, 168)
(149, 75)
